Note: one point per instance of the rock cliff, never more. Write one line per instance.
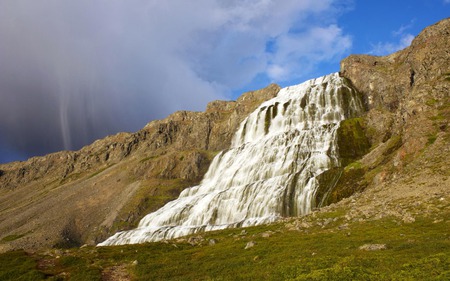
(408, 102)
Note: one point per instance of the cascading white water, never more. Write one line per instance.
(270, 170)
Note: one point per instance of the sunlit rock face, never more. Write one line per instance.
(270, 171)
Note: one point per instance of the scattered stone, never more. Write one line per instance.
(84, 246)
(305, 225)
(135, 262)
(119, 272)
(195, 240)
(212, 242)
(327, 221)
(408, 219)
(373, 247)
(244, 232)
(249, 245)
(343, 226)
(267, 234)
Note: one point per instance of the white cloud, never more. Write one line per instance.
(297, 52)
(386, 48)
(402, 40)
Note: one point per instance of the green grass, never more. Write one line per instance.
(447, 76)
(79, 268)
(12, 237)
(19, 266)
(431, 138)
(431, 102)
(415, 251)
(352, 140)
(100, 171)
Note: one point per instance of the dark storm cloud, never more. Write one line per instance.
(75, 71)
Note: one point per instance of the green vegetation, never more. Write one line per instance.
(431, 139)
(394, 143)
(415, 251)
(79, 268)
(447, 76)
(352, 140)
(100, 171)
(145, 159)
(12, 237)
(338, 183)
(19, 266)
(431, 102)
(352, 180)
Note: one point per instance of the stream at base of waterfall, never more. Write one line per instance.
(270, 170)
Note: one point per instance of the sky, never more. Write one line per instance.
(72, 72)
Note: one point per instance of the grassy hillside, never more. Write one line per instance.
(323, 246)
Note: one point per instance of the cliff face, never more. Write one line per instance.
(406, 125)
(75, 197)
(407, 87)
(394, 156)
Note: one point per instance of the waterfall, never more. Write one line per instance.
(270, 170)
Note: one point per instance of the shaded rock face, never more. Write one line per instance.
(75, 197)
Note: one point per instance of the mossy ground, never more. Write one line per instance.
(415, 251)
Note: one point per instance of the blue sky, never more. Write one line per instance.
(75, 71)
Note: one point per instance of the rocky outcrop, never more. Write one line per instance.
(406, 88)
(408, 102)
(75, 197)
